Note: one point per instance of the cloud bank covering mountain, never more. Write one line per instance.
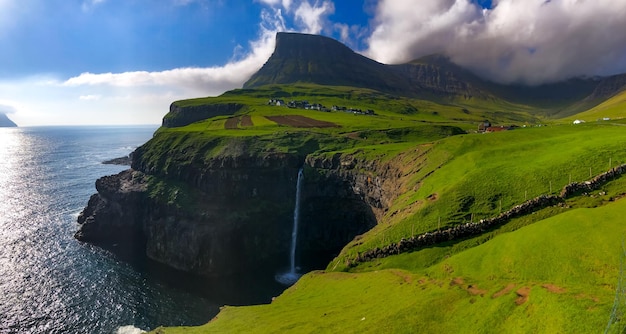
(527, 41)
(92, 62)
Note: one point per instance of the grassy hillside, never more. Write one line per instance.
(613, 108)
(401, 110)
(555, 276)
(470, 177)
(552, 271)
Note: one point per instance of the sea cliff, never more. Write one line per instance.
(231, 210)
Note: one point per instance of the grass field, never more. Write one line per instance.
(555, 276)
(477, 176)
(553, 271)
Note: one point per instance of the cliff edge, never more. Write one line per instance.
(232, 212)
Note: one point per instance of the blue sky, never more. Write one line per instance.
(70, 37)
(124, 61)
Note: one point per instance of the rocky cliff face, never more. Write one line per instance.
(234, 214)
(119, 203)
(185, 115)
(608, 87)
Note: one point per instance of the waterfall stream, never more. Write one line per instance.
(296, 218)
(292, 276)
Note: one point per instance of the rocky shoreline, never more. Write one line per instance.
(122, 161)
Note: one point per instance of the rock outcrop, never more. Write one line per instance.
(608, 87)
(185, 115)
(119, 203)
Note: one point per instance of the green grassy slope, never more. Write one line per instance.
(463, 112)
(555, 276)
(470, 177)
(613, 108)
(552, 271)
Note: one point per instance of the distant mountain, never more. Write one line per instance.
(325, 61)
(321, 60)
(436, 74)
(5, 122)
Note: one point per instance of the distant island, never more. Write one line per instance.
(5, 122)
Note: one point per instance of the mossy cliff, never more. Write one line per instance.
(219, 206)
(185, 115)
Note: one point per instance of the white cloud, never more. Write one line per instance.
(528, 41)
(90, 4)
(197, 81)
(6, 109)
(90, 97)
(350, 34)
(344, 31)
(310, 17)
(34, 101)
(276, 3)
(404, 28)
(313, 18)
(204, 81)
(270, 2)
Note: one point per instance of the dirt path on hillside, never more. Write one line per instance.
(504, 291)
(522, 295)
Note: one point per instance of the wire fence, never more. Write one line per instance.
(617, 321)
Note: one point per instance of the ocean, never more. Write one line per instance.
(50, 282)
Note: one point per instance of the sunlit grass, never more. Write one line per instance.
(476, 176)
(613, 108)
(564, 261)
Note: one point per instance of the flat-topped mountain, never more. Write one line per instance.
(325, 61)
(5, 122)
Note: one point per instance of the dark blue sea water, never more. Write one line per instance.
(51, 283)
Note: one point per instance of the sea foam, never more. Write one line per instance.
(130, 329)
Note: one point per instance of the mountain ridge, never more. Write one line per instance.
(6, 122)
(304, 58)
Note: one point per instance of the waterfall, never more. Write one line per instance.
(296, 218)
(291, 276)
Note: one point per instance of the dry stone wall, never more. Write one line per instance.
(472, 229)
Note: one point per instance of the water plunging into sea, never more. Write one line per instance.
(50, 282)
